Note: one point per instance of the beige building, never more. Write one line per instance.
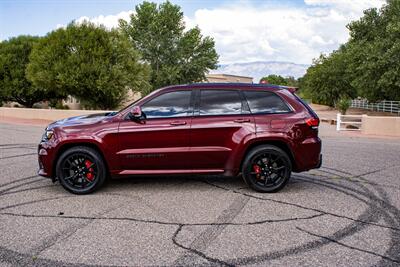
(228, 78)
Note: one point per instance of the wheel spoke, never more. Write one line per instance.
(278, 168)
(266, 180)
(276, 159)
(69, 177)
(70, 163)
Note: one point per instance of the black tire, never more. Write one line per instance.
(273, 171)
(73, 173)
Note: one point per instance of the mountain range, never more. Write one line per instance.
(259, 69)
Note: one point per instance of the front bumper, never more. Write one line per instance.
(45, 159)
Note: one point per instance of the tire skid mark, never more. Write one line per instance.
(358, 176)
(17, 147)
(52, 240)
(202, 241)
(18, 180)
(36, 201)
(348, 246)
(336, 175)
(2, 192)
(394, 247)
(27, 189)
(302, 207)
(384, 204)
(337, 170)
(22, 259)
(368, 216)
(347, 231)
(18, 156)
(375, 171)
(194, 251)
(362, 181)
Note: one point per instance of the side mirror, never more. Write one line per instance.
(136, 114)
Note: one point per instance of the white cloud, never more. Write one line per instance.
(245, 33)
(346, 6)
(109, 21)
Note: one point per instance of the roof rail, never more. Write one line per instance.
(259, 85)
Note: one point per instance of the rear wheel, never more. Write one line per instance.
(81, 170)
(266, 169)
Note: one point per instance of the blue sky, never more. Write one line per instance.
(37, 17)
(244, 30)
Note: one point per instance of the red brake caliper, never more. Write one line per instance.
(257, 170)
(89, 175)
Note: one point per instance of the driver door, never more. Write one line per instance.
(159, 143)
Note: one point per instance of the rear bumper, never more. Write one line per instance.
(308, 155)
(320, 162)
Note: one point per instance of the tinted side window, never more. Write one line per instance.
(220, 102)
(265, 102)
(172, 104)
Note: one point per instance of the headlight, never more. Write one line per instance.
(48, 134)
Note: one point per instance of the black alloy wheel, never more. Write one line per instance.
(266, 169)
(81, 170)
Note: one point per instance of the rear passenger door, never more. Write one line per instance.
(220, 123)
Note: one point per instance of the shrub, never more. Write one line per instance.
(343, 105)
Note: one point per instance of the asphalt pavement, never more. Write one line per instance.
(345, 214)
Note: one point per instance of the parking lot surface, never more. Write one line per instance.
(345, 214)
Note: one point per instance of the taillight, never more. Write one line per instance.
(312, 122)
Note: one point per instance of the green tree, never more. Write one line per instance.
(280, 80)
(327, 80)
(14, 58)
(88, 62)
(175, 55)
(292, 81)
(274, 79)
(374, 49)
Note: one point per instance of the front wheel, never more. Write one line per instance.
(266, 169)
(81, 170)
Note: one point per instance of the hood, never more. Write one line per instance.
(81, 120)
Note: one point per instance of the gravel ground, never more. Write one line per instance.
(345, 214)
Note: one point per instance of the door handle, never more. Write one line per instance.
(242, 120)
(178, 123)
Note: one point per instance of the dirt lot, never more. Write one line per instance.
(345, 214)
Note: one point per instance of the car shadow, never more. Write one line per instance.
(187, 182)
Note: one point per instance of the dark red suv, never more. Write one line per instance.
(262, 131)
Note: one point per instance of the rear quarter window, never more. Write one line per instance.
(265, 102)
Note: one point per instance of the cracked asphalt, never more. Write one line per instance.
(345, 214)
